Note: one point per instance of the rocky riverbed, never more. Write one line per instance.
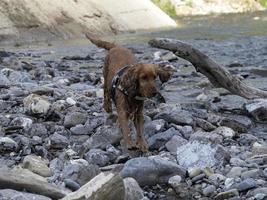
(57, 142)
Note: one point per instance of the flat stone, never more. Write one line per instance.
(205, 125)
(74, 118)
(176, 116)
(104, 186)
(151, 170)
(235, 172)
(227, 195)
(206, 137)
(158, 140)
(80, 171)
(238, 123)
(7, 194)
(175, 142)
(246, 184)
(153, 127)
(258, 109)
(37, 165)
(97, 157)
(23, 179)
(207, 191)
(254, 173)
(104, 136)
(58, 141)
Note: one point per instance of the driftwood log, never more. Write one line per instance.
(217, 75)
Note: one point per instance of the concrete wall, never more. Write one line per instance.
(30, 20)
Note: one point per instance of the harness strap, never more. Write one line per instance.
(115, 85)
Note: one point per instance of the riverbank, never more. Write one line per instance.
(51, 105)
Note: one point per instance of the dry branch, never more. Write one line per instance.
(217, 75)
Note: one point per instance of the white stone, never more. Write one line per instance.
(70, 101)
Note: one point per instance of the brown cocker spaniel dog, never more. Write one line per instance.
(128, 83)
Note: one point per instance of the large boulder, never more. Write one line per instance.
(151, 170)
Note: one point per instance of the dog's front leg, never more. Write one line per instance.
(139, 126)
(123, 119)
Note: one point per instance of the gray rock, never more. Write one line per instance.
(35, 104)
(151, 170)
(260, 190)
(265, 172)
(198, 177)
(176, 116)
(19, 77)
(238, 123)
(80, 171)
(97, 157)
(24, 122)
(7, 194)
(38, 129)
(58, 141)
(258, 109)
(224, 131)
(235, 172)
(7, 144)
(153, 127)
(254, 173)
(71, 184)
(227, 195)
(246, 184)
(4, 81)
(205, 125)
(104, 186)
(23, 179)
(104, 136)
(194, 172)
(132, 189)
(237, 162)
(198, 155)
(158, 140)
(175, 142)
(79, 130)
(74, 118)
(175, 181)
(247, 139)
(207, 191)
(206, 137)
(37, 165)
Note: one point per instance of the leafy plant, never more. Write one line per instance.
(263, 2)
(166, 6)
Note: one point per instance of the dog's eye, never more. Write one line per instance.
(144, 77)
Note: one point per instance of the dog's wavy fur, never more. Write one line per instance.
(137, 80)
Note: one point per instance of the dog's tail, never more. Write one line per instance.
(100, 43)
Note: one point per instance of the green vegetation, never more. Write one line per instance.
(166, 6)
(263, 3)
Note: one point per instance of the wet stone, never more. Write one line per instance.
(7, 144)
(158, 140)
(74, 118)
(97, 157)
(58, 141)
(238, 123)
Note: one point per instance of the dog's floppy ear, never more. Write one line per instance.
(164, 73)
(129, 81)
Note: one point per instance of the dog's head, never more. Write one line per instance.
(140, 80)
